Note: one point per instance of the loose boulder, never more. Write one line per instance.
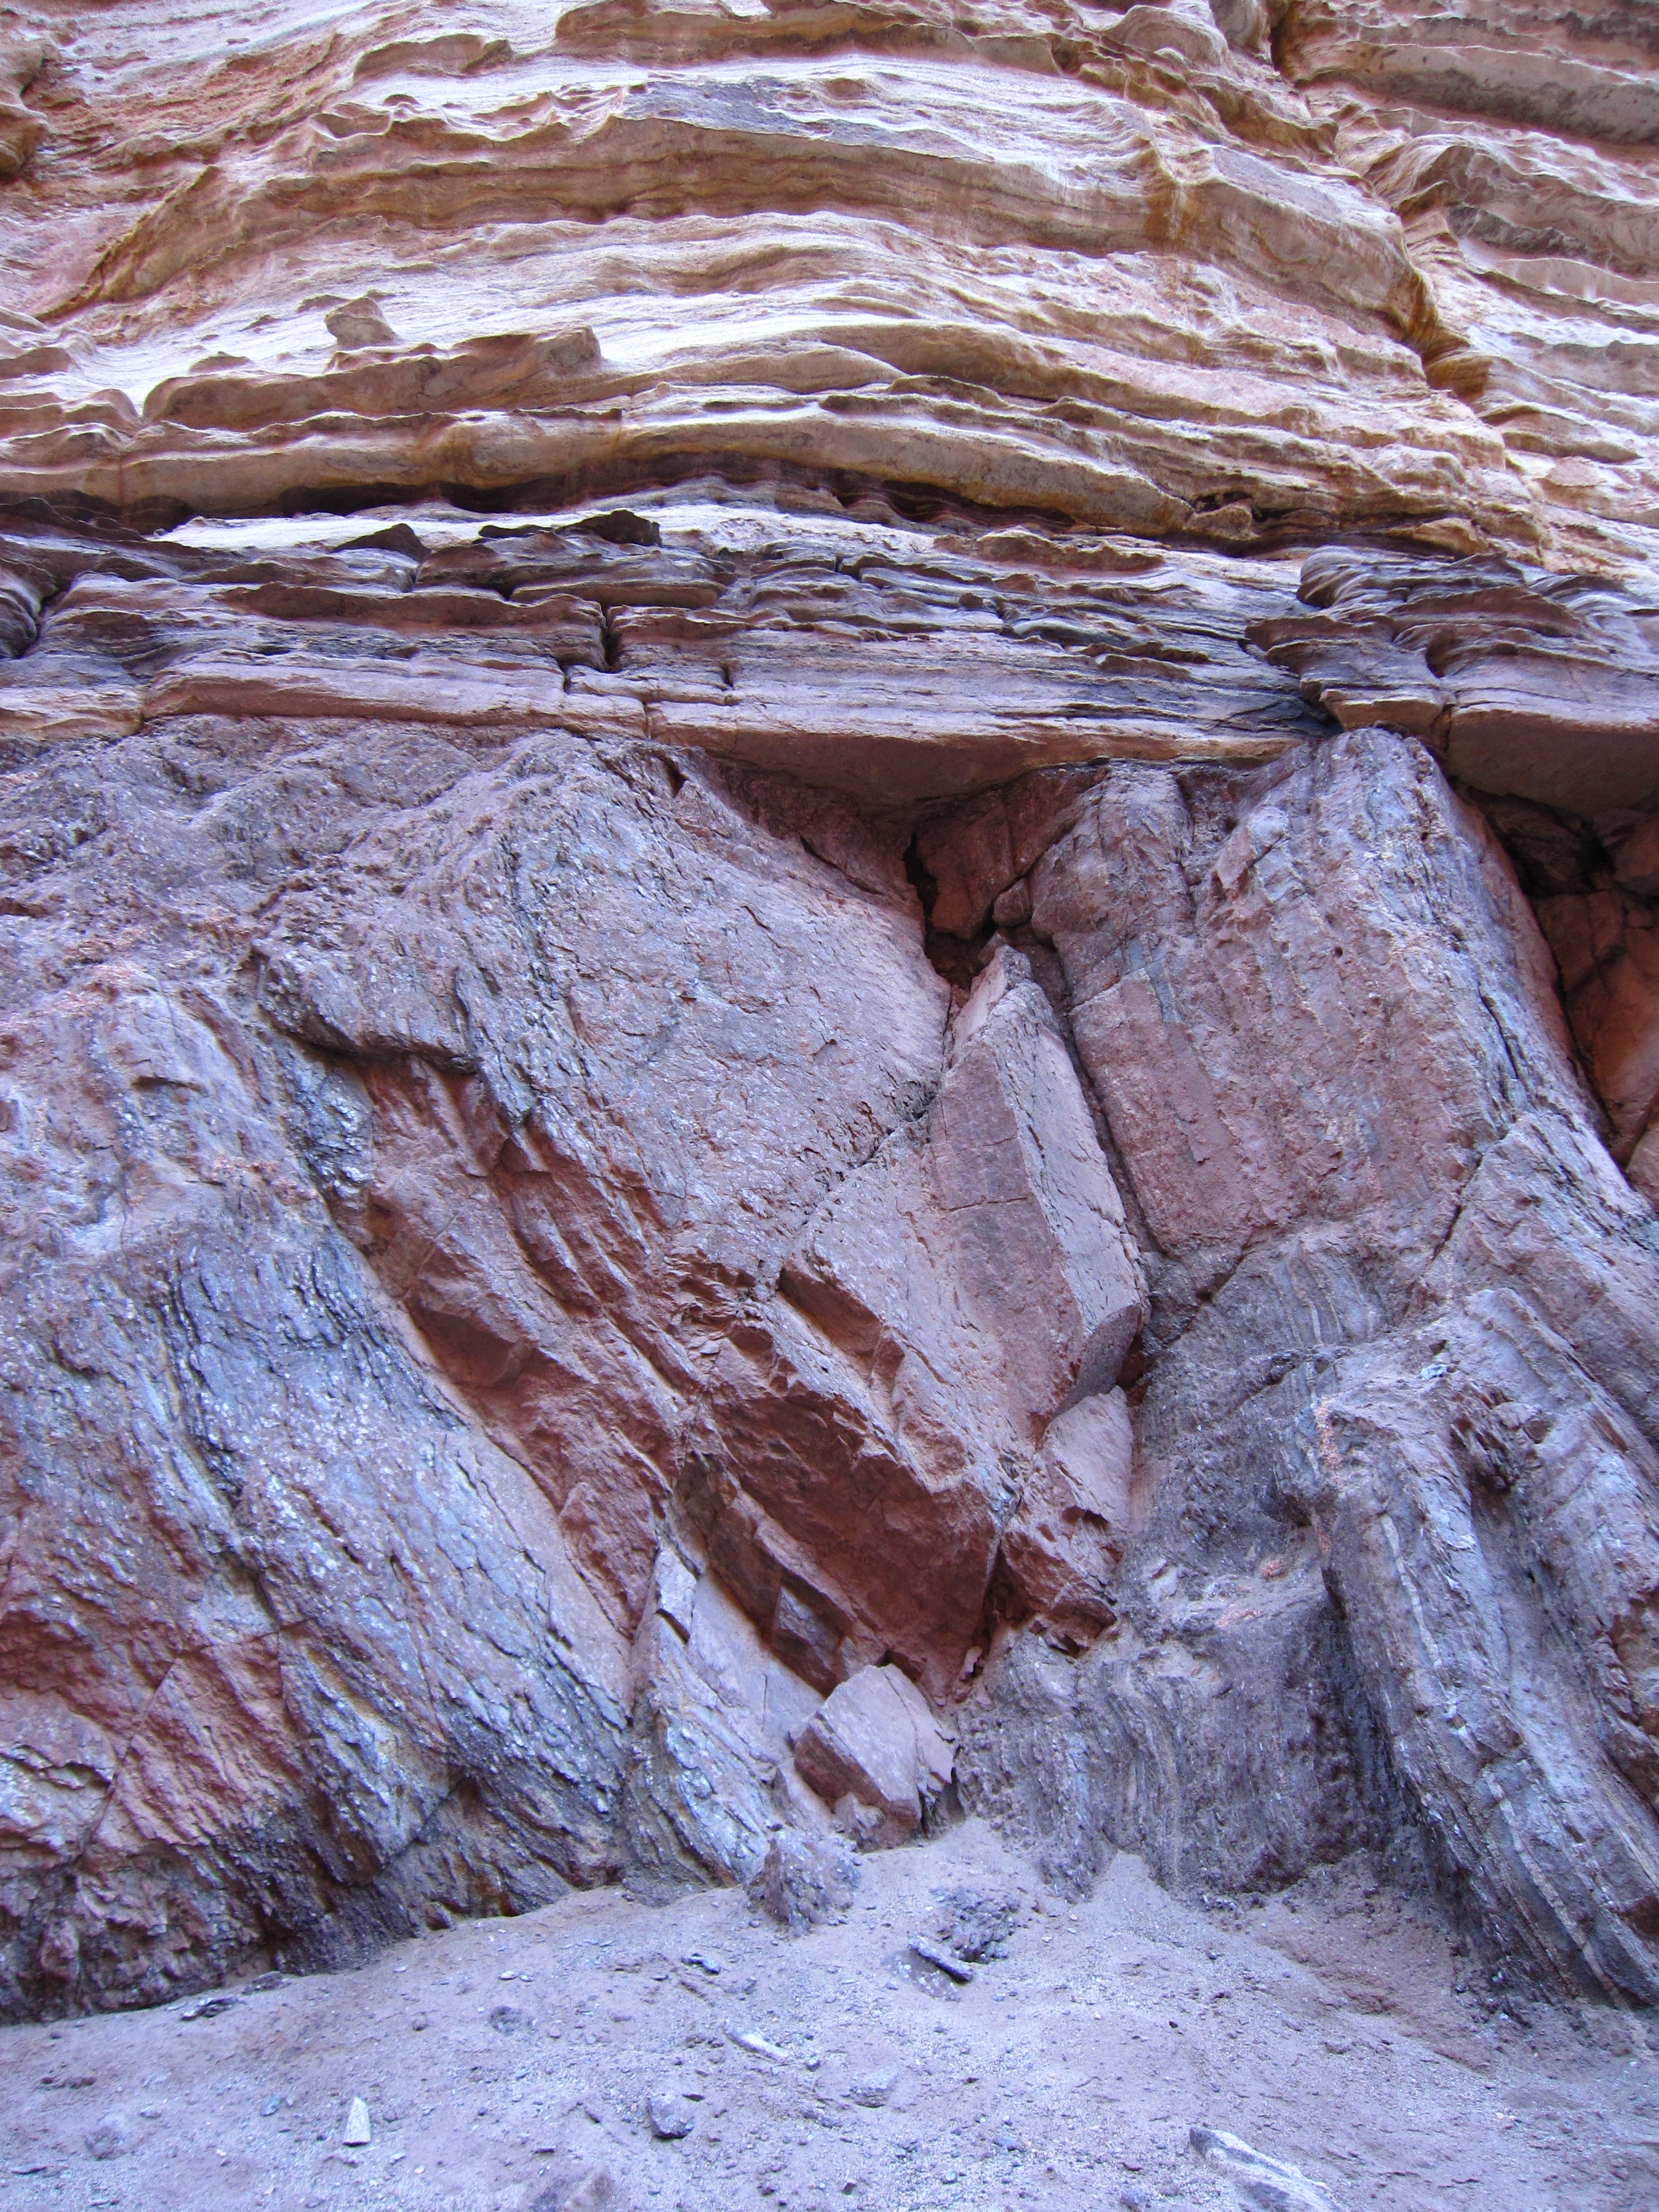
(875, 1740)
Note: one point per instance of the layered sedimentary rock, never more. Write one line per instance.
(832, 960)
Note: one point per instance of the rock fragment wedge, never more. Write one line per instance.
(1263, 2184)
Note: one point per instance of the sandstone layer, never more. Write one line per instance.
(830, 948)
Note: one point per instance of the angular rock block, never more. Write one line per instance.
(1064, 1543)
(875, 1741)
(942, 1307)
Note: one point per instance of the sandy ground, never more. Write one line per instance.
(503, 2062)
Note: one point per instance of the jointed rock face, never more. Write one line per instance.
(830, 959)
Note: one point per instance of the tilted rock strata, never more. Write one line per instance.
(1402, 1331)
(560, 1083)
(943, 1070)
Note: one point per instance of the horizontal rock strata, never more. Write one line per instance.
(830, 932)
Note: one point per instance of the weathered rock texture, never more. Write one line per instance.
(830, 947)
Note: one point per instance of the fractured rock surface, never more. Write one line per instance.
(831, 963)
(1425, 1205)
(874, 1740)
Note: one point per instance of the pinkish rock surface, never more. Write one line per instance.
(874, 1741)
(829, 964)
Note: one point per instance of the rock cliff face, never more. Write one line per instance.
(830, 948)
